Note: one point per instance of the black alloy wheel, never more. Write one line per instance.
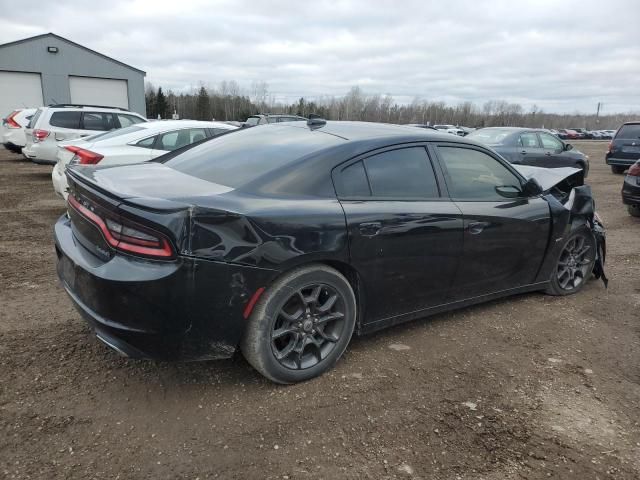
(308, 326)
(575, 263)
(301, 325)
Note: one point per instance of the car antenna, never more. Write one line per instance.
(315, 120)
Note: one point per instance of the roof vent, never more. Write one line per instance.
(315, 120)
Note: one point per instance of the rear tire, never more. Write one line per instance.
(574, 264)
(634, 210)
(618, 169)
(301, 325)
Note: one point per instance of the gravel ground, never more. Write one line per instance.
(528, 387)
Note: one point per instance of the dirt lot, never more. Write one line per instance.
(528, 387)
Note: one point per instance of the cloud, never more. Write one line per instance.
(562, 56)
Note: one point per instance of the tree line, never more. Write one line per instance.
(228, 101)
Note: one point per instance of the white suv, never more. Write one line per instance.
(13, 128)
(50, 125)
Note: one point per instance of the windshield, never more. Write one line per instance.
(252, 121)
(245, 155)
(490, 136)
(115, 133)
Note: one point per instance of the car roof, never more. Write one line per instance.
(88, 108)
(516, 129)
(363, 131)
(162, 125)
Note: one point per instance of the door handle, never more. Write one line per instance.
(477, 227)
(524, 152)
(548, 154)
(370, 229)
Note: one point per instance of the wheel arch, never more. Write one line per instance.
(347, 270)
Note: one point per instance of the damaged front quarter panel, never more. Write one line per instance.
(572, 206)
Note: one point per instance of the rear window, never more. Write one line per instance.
(490, 136)
(65, 120)
(245, 155)
(629, 131)
(251, 121)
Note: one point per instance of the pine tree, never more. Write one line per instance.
(202, 105)
(150, 99)
(162, 107)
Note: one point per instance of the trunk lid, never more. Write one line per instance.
(150, 195)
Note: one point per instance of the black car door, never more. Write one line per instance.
(554, 153)
(529, 150)
(504, 238)
(405, 238)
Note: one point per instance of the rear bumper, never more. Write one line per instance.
(186, 309)
(631, 190)
(623, 162)
(40, 153)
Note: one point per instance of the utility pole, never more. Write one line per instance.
(598, 114)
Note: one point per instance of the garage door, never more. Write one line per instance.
(19, 90)
(99, 91)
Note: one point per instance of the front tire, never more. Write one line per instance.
(574, 264)
(618, 169)
(301, 325)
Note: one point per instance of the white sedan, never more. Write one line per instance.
(135, 144)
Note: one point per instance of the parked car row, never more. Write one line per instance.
(582, 134)
(66, 134)
(452, 129)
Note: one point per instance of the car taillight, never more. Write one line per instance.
(11, 120)
(40, 135)
(126, 236)
(84, 157)
(610, 147)
(634, 171)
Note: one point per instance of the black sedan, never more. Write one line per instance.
(531, 146)
(631, 190)
(284, 240)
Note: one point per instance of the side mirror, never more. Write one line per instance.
(509, 191)
(531, 188)
(567, 147)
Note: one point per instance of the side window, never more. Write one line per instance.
(146, 143)
(217, 131)
(197, 134)
(180, 138)
(65, 120)
(529, 140)
(474, 175)
(550, 142)
(128, 120)
(101, 121)
(352, 181)
(405, 173)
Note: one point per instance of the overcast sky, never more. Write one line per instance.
(563, 56)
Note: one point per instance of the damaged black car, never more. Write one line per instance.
(285, 240)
